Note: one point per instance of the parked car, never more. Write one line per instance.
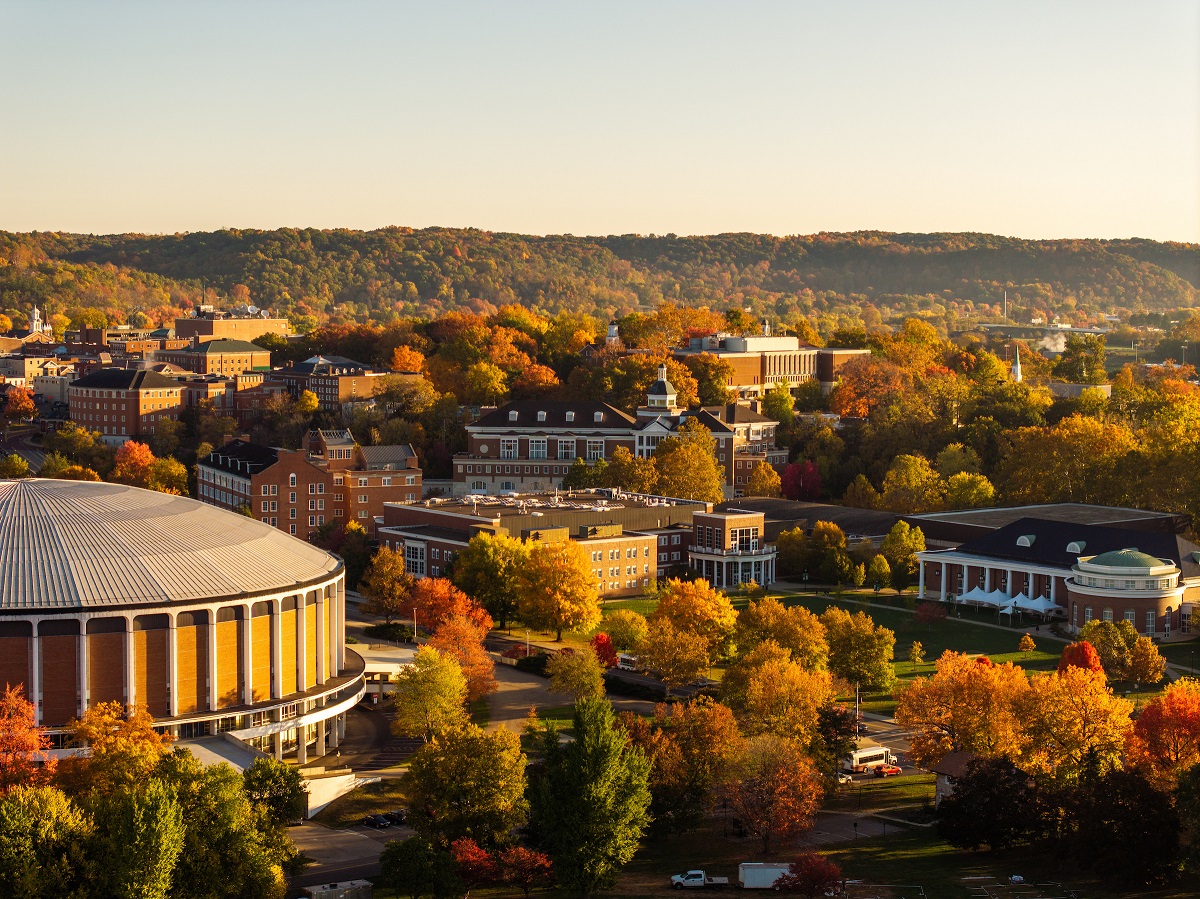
(376, 821)
(887, 770)
(396, 817)
(844, 778)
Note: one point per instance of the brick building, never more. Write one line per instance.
(210, 325)
(728, 548)
(121, 403)
(220, 356)
(335, 380)
(332, 479)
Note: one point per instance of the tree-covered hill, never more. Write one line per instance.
(316, 276)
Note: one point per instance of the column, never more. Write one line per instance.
(301, 744)
(1032, 594)
(130, 659)
(322, 637)
(921, 579)
(302, 642)
(211, 632)
(321, 725)
(334, 736)
(83, 666)
(963, 588)
(1053, 586)
(942, 595)
(247, 656)
(339, 611)
(276, 648)
(172, 667)
(1008, 587)
(35, 674)
(987, 579)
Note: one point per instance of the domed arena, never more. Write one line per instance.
(215, 622)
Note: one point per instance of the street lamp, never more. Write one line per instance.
(804, 577)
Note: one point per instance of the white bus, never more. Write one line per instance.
(862, 760)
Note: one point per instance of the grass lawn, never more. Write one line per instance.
(883, 792)
(375, 798)
(480, 713)
(1185, 653)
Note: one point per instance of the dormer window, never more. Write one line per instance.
(1026, 540)
(512, 415)
(570, 416)
(541, 416)
(599, 416)
(1076, 546)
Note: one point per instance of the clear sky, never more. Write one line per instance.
(1037, 119)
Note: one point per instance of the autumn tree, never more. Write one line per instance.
(577, 673)
(687, 464)
(779, 791)
(137, 466)
(488, 571)
(1080, 654)
(429, 695)
(696, 607)
(763, 481)
(801, 480)
(628, 472)
(860, 651)
(900, 548)
(879, 572)
(994, 804)
(476, 867)
(812, 876)
(556, 589)
(1146, 664)
(44, 837)
(794, 628)
(18, 405)
(626, 627)
(678, 657)
(24, 756)
(525, 868)
(434, 600)
(386, 585)
(912, 486)
(405, 358)
(462, 640)
(713, 376)
(866, 383)
(591, 799)
(969, 491)
(965, 706)
(784, 699)
(602, 646)
(1165, 741)
(123, 747)
(916, 654)
(467, 783)
(535, 381)
(1114, 642)
(1026, 646)
(694, 748)
(13, 466)
(1074, 723)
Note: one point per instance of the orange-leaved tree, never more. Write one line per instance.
(1081, 654)
(779, 792)
(435, 600)
(965, 706)
(1165, 740)
(1074, 722)
(556, 589)
(24, 760)
(123, 747)
(695, 607)
(462, 639)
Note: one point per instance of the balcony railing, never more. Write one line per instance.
(740, 550)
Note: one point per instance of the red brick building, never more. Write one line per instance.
(122, 403)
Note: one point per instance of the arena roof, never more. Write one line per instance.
(78, 545)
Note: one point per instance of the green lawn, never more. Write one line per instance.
(376, 798)
(1186, 654)
(883, 792)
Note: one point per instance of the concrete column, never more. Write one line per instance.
(335, 738)
(920, 580)
(987, 579)
(1032, 585)
(321, 726)
(247, 655)
(942, 595)
(35, 674)
(172, 667)
(1008, 588)
(277, 745)
(83, 665)
(301, 745)
(211, 632)
(1053, 588)
(964, 588)
(276, 648)
(130, 658)
(340, 616)
(322, 640)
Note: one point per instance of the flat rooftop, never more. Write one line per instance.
(958, 527)
(563, 501)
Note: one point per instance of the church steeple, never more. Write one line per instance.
(1016, 369)
(662, 393)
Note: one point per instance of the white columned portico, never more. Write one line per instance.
(921, 581)
(942, 595)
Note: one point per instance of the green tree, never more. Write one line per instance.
(1114, 643)
(969, 491)
(414, 868)
(631, 473)
(994, 804)
(1082, 360)
(277, 791)
(43, 837)
(916, 654)
(860, 651)
(591, 799)
(488, 571)
(792, 551)
(957, 459)
(577, 673)
(911, 485)
(778, 403)
(468, 783)
(880, 572)
(625, 627)
(387, 584)
(13, 466)
(900, 548)
(133, 855)
(429, 695)
(687, 464)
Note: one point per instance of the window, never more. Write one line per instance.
(362, 513)
(1107, 616)
(410, 480)
(362, 482)
(264, 489)
(570, 416)
(291, 497)
(312, 505)
(337, 480)
(508, 447)
(1149, 622)
(537, 448)
(598, 416)
(312, 489)
(292, 528)
(1129, 616)
(566, 449)
(274, 505)
(512, 415)
(362, 497)
(265, 506)
(312, 521)
(387, 482)
(292, 513)
(595, 449)
(274, 490)
(541, 416)
(292, 481)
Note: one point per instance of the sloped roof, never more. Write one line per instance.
(954, 764)
(125, 379)
(1126, 558)
(69, 545)
(383, 457)
(556, 415)
(227, 345)
(241, 457)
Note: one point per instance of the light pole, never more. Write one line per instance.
(526, 642)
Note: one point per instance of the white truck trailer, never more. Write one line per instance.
(760, 875)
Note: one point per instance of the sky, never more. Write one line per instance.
(1032, 119)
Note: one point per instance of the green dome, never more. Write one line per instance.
(1126, 558)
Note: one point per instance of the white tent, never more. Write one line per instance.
(998, 598)
(1006, 610)
(973, 595)
(1021, 601)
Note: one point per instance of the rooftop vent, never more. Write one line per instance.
(599, 416)
(512, 415)
(1026, 539)
(541, 416)
(570, 416)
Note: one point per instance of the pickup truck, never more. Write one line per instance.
(697, 879)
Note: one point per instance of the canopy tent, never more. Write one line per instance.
(1006, 610)
(973, 595)
(998, 598)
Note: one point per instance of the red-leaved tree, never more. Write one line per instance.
(23, 745)
(525, 868)
(1082, 655)
(475, 865)
(811, 875)
(435, 600)
(801, 480)
(605, 651)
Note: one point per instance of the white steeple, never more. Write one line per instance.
(1016, 369)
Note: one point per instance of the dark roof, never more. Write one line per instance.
(226, 345)
(125, 379)
(1050, 539)
(383, 457)
(954, 764)
(326, 365)
(737, 413)
(785, 514)
(241, 457)
(955, 527)
(436, 532)
(556, 415)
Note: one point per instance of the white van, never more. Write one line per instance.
(862, 760)
(627, 662)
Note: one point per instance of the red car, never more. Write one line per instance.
(887, 770)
